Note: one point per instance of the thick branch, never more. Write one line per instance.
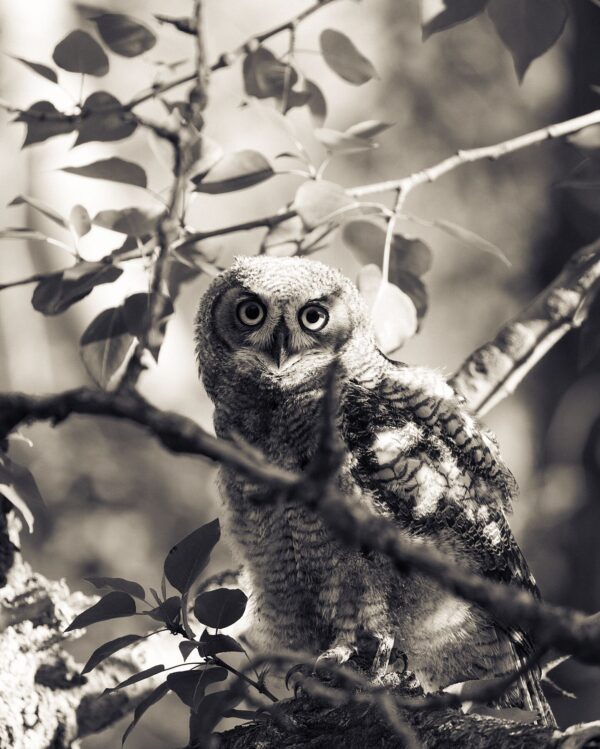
(492, 372)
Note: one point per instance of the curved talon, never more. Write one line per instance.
(334, 657)
(300, 668)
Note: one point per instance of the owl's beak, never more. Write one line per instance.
(279, 347)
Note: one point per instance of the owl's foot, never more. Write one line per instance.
(381, 661)
(334, 657)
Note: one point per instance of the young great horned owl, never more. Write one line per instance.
(268, 330)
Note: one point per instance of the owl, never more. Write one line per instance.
(268, 330)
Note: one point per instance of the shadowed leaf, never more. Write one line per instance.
(168, 611)
(112, 606)
(235, 171)
(44, 121)
(191, 685)
(80, 220)
(207, 713)
(104, 119)
(131, 221)
(79, 52)
(215, 644)
(317, 104)
(344, 58)
(220, 608)
(413, 287)
(528, 29)
(367, 240)
(147, 673)
(119, 583)
(144, 705)
(186, 648)
(19, 487)
(113, 169)
(108, 649)
(124, 35)
(438, 15)
(186, 560)
(265, 76)
(55, 294)
(37, 67)
(136, 309)
(105, 345)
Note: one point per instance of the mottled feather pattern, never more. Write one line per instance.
(414, 454)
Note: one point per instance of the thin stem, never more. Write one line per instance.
(389, 235)
(241, 675)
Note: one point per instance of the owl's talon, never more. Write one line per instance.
(333, 657)
(300, 669)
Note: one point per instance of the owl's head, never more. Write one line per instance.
(277, 320)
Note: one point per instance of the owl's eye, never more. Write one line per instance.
(251, 312)
(313, 317)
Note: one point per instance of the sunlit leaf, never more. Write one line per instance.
(528, 29)
(105, 345)
(144, 705)
(113, 169)
(112, 606)
(369, 128)
(56, 293)
(265, 76)
(124, 35)
(339, 142)
(186, 560)
(42, 208)
(79, 52)
(43, 70)
(220, 608)
(340, 53)
(104, 119)
(18, 485)
(134, 222)
(108, 649)
(317, 103)
(393, 313)
(438, 15)
(80, 220)
(44, 121)
(317, 200)
(119, 583)
(235, 171)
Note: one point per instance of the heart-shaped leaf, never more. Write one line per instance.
(113, 169)
(104, 119)
(108, 649)
(79, 52)
(235, 171)
(220, 608)
(393, 313)
(344, 58)
(112, 606)
(528, 29)
(124, 35)
(186, 560)
(44, 121)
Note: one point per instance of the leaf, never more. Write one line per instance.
(113, 169)
(265, 76)
(44, 121)
(468, 237)
(317, 200)
(22, 233)
(80, 220)
(344, 58)
(112, 606)
(186, 560)
(124, 35)
(37, 67)
(147, 673)
(528, 29)
(42, 208)
(204, 154)
(152, 699)
(317, 104)
(105, 345)
(367, 240)
(134, 222)
(215, 644)
(438, 15)
(104, 119)
(183, 23)
(413, 287)
(282, 240)
(588, 138)
(20, 488)
(235, 171)
(220, 608)
(338, 142)
(208, 713)
(119, 583)
(369, 128)
(168, 612)
(79, 52)
(393, 313)
(190, 686)
(136, 310)
(108, 649)
(56, 293)
(186, 647)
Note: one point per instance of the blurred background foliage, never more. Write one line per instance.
(115, 501)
